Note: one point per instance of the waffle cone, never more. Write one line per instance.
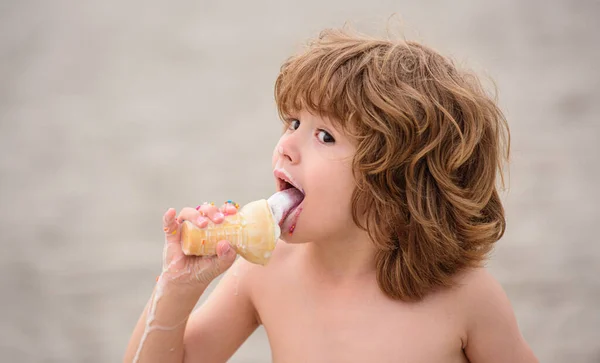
(252, 232)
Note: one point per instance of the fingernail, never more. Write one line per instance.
(202, 221)
(225, 251)
(219, 215)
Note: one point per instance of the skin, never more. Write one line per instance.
(318, 297)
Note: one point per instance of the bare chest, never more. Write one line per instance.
(354, 324)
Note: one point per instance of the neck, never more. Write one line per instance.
(349, 257)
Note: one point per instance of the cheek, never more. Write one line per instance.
(335, 193)
(275, 156)
(329, 213)
(343, 191)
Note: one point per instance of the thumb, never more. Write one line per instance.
(226, 255)
(218, 264)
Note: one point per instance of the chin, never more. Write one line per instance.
(293, 238)
(302, 234)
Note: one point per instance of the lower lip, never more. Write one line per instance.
(289, 225)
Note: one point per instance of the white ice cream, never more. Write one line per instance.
(281, 203)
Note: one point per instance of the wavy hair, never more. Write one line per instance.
(430, 145)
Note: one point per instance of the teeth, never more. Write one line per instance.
(286, 177)
(290, 183)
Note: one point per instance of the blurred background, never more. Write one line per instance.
(112, 112)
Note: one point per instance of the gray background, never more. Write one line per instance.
(111, 113)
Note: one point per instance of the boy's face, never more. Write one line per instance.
(318, 158)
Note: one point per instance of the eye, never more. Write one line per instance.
(294, 124)
(325, 137)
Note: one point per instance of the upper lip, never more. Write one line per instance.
(284, 175)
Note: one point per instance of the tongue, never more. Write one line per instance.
(283, 202)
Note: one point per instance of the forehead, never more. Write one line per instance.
(308, 115)
(320, 117)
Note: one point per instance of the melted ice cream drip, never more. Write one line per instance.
(158, 293)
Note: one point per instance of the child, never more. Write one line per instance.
(397, 153)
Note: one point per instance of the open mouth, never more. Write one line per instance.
(287, 203)
(285, 181)
(285, 185)
(296, 197)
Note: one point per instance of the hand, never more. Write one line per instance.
(194, 270)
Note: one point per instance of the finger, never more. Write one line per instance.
(202, 222)
(226, 255)
(228, 209)
(188, 214)
(170, 225)
(211, 212)
(218, 264)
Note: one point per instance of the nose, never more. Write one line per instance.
(287, 148)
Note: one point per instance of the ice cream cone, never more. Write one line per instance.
(252, 232)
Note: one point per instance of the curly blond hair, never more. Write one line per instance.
(430, 145)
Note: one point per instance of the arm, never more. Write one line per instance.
(160, 339)
(165, 332)
(227, 318)
(211, 334)
(492, 331)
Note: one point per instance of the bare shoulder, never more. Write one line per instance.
(478, 292)
(492, 332)
(469, 288)
(279, 255)
(253, 276)
(477, 283)
(256, 274)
